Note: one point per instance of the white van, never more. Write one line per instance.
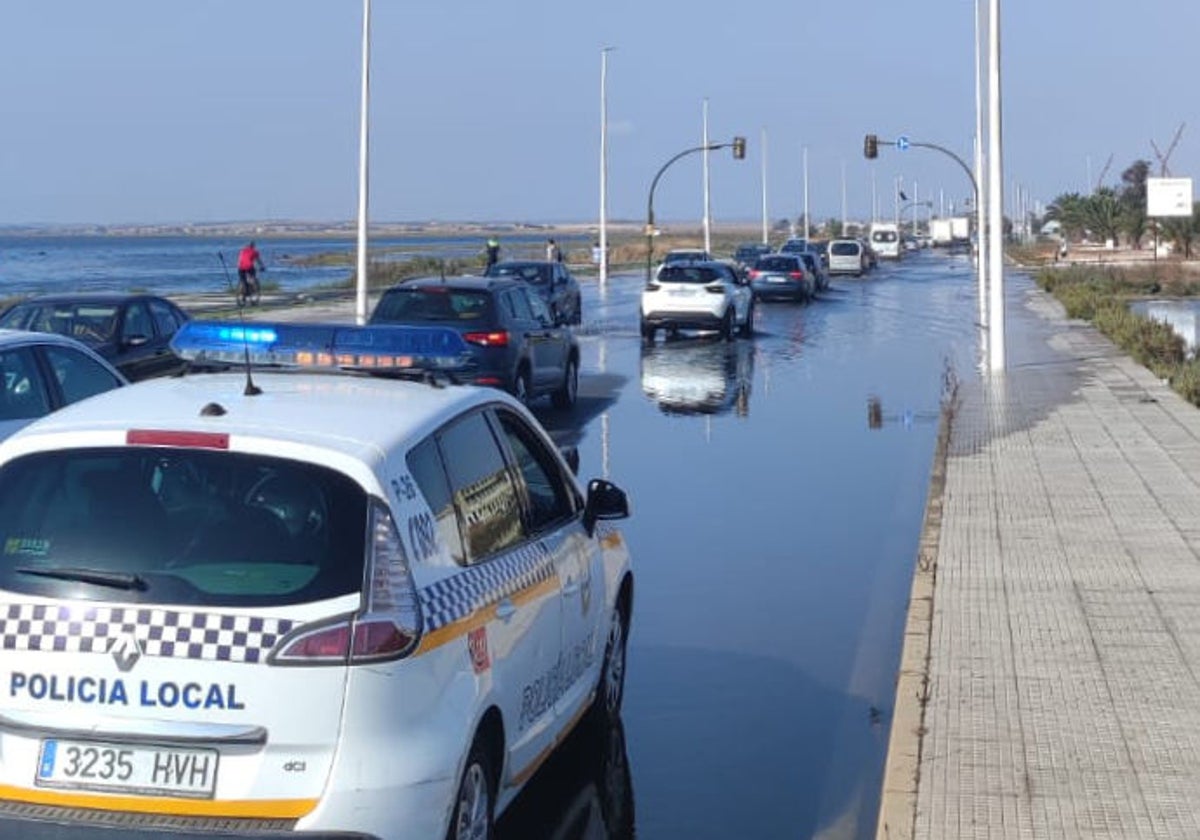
(847, 256)
(885, 240)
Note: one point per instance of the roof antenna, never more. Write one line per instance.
(251, 390)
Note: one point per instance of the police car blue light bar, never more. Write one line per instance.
(380, 348)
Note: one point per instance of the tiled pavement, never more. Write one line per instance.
(1063, 670)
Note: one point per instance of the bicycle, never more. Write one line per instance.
(249, 290)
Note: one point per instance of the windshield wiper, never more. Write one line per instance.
(98, 577)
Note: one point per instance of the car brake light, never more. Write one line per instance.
(487, 339)
(389, 624)
(796, 275)
(163, 437)
(754, 272)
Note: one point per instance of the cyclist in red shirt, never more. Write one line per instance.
(249, 261)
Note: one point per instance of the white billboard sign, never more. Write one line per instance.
(1168, 197)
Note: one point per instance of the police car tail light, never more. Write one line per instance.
(389, 624)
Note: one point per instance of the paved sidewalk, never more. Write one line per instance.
(1064, 637)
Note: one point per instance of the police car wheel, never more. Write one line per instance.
(474, 810)
(611, 690)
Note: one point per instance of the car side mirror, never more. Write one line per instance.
(605, 500)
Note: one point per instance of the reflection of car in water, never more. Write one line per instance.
(698, 376)
(585, 792)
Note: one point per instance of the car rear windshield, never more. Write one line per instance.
(90, 322)
(845, 249)
(530, 273)
(179, 526)
(688, 274)
(404, 306)
(684, 256)
(777, 264)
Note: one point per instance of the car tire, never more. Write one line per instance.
(565, 396)
(474, 813)
(610, 690)
(577, 318)
(727, 325)
(648, 331)
(521, 388)
(748, 327)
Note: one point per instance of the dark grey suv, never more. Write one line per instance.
(551, 281)
(515, 343)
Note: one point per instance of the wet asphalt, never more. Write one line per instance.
(778, 485)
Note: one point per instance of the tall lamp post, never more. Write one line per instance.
(604, 166)
(360, 301)
(738, 144)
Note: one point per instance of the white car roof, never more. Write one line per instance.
(356, 416)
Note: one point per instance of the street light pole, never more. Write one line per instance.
(995, 195)
(739, 151)
(765, 238)
(360, 300)
(980, 213)
(707, 202)
(806, 225)
(604, 166)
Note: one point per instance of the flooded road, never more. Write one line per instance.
(778, 485)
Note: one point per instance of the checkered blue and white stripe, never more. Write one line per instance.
(475, 587)
(167, 633)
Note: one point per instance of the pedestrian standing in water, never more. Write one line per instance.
(553, 254)
(493, 251)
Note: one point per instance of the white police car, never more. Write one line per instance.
(302, 603)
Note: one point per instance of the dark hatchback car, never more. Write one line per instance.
(515, 344)
(557, 288)
(130, 331)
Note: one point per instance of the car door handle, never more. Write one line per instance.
(571, 588)
(506, 609)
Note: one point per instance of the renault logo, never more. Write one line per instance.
(126, 651)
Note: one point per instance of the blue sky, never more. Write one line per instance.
(167, 111)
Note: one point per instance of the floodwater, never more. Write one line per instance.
(777, 485)
(1183, 316)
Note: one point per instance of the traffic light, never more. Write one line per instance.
(739, 148)
(871, 147)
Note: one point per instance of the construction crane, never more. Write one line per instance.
(1103, 172)
(1164, 158)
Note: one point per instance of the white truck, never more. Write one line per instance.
(946, 232)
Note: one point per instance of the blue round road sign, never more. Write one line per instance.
(902, 142)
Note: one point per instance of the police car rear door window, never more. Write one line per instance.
(195, 527)
(425, 464)
(483, 489)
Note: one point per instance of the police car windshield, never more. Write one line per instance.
(179, 526)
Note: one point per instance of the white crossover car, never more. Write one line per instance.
(317, 605)
(704, 295)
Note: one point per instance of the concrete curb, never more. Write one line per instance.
(902, 768)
